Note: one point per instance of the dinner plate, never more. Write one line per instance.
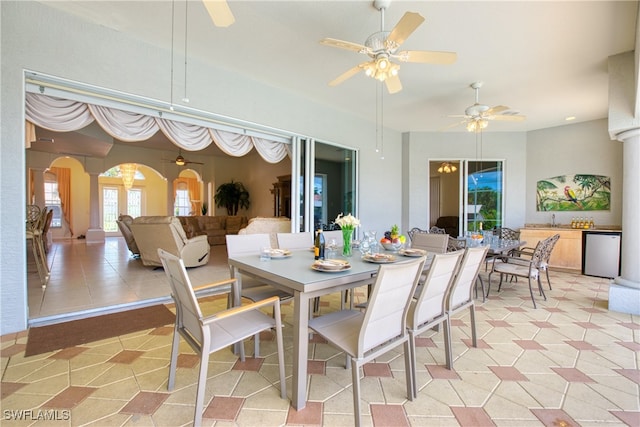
(333, 270)
(280, 253)
(412, 252)
(380, 258)
(331, 265)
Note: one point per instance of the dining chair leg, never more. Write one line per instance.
(409, 368)
(355, 378)
(448, 352)
(474, 335)
(531, 292)
(202, 382)
(413, 365)
(173, 364)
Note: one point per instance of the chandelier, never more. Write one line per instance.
(381, 69)
(477, 124)
(128, 173)
(447, 167)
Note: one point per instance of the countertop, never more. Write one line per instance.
(567, 227)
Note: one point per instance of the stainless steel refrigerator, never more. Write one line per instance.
(601, 253)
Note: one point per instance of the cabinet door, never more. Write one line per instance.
(567, 254)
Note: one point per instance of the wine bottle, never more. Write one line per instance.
(319, 245)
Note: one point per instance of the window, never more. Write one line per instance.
(109, 209)
(484, 195)
(134, 202)
(182, 204)
(52, 199)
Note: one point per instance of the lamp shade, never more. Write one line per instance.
(447, 167)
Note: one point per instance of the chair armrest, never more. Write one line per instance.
(213, 285)
(511, 259)
(194, 239)
(274, 300)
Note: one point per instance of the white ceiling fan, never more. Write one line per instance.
(181, 161)
(382, 47)
(220, 12)
(477, 116)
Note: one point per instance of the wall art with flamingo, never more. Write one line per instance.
(574, 193)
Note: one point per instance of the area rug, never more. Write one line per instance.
(44, 339)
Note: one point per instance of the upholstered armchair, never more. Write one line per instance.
(269, 225)
(123, 224)
(166, 232)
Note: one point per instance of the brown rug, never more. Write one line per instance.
(44, 339)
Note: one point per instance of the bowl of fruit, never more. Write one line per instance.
(393, 240)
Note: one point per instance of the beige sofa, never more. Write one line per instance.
(166, 232)
(272, 226)
(214, 227)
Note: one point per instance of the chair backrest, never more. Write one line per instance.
(246, 244)
(47, 222)
(456, 244)
(415, 230)
(431, 301)
(293, 241)
(506, 233)
(462, 288)
(543, 250)
(188, 313)
(386, 314)
(436, 243)
(437, 230)
(153, 232)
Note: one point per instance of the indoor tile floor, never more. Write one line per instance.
(569, 362)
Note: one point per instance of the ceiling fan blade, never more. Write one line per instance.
(508, 117)
(495, 110)
(193, 163)
(348, 74)
(344, 45)
(453, 125)
(462, 116)
(425, 56)
(393, 84)
(403, 29)
(220, 12)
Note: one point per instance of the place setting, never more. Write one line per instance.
(331, 265)
(379, 258)
(409, 252)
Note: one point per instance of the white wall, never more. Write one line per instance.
(38, 38)
(427, 146)
(582, 148)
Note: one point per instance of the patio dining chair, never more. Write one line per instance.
(460, 296)
(252, 289)
(364, 336)
(209, 334)
(429, 309)
(530, 268)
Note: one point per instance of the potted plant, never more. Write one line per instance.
(232, 196)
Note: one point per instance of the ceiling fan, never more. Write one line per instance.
(181, 161)
(220, 12)
(382, 47)
(477, 116)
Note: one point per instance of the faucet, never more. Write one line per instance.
(553, 220)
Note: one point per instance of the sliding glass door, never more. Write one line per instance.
(484, 194)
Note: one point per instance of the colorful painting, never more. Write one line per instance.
(574, 193)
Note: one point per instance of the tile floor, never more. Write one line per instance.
(570, 362)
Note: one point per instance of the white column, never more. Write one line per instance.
(624, 293)
(38, 187)
(95, 233)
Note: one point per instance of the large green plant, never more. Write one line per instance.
(232, 196)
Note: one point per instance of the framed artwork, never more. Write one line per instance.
(574, 193)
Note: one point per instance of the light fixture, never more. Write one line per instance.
(447, 167)
(381, 69)
(180, 160)
(128, 173)
(477, 124)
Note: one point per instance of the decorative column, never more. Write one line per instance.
(624, 292)
(95, 233)
(38, 183)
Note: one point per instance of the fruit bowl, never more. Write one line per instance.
(392, 246)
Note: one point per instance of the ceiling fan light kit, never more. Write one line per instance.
(382, 47)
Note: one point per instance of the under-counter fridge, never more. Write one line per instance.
(601, 253)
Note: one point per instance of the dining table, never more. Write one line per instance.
(296, 274)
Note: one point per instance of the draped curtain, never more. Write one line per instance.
(63, 175)
(63, 115)
(194, 195)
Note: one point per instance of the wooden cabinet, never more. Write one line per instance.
(567, 254)
(282, 196)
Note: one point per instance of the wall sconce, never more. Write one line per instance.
(128, 173)
(447, 167)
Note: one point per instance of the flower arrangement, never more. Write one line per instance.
(348, 222)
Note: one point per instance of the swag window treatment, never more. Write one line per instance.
(64, 115)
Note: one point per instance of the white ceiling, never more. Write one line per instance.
(544, 59)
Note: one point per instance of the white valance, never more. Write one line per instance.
(63, 115)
